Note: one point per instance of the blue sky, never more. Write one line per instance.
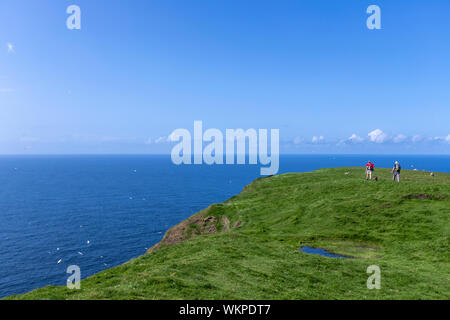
(137, 70)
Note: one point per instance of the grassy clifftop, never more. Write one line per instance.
(248, 246)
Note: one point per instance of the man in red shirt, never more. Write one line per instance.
(369, 169)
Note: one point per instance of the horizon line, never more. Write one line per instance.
(246, 154)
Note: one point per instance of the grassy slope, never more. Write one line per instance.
(374, 221)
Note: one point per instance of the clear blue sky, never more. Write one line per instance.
(139, 69)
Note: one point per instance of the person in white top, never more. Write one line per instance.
(396, 171)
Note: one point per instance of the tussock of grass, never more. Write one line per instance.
(382, 223)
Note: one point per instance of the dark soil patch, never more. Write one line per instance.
(424, 196)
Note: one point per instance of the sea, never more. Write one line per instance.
(99, 211)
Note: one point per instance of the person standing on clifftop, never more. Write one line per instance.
(369, 169)
(396, 171)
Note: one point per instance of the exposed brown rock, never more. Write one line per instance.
(237, 224)
(226, 223)
(199, 224)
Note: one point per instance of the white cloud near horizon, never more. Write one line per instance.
(442, 139)
(317, 139)
(417, 138)
(399, 138)
(112, 139)
(171, 138)
(298, 140)
(29, 139)
(377, 136)
(94, 138)
(355, 138)
(161, 139)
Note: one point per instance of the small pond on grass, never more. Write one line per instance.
(322, 252)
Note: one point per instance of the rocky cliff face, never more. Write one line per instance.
(207, 221)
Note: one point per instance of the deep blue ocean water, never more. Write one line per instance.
(100, 211)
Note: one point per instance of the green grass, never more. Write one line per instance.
(378, 223)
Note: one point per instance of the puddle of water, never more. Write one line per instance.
(322, 252)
